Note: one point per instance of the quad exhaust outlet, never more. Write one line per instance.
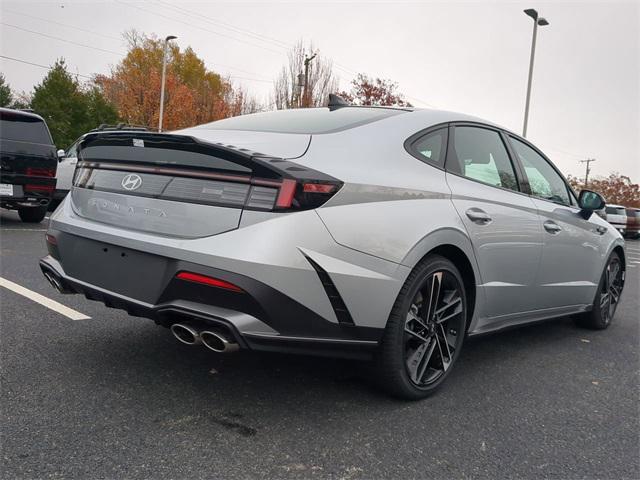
(216, 341)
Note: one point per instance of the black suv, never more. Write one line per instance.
(28, 162)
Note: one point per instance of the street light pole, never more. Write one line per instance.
(536, 21)
(164, 72)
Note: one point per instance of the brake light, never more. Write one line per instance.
(41, 172)
(51, 240)
(210, 281)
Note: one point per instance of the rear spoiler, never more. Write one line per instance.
(299, 187)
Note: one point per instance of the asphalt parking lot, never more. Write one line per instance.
(117, 397)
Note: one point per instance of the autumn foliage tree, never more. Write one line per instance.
(193, 94)
(617, 189)
(366, 90)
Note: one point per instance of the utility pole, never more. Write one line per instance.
(305, 95)
(586, 173)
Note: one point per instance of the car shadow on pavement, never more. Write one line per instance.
(191, 387)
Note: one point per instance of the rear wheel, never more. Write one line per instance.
(425, 330)
(32, 214)
(607, 298)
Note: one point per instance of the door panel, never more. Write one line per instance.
(570, 267)
(572, 248)
(505, 230)
(503, 224)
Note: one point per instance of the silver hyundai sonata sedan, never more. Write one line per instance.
(382, 233)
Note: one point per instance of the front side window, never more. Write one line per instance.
(73, 151)
(480, 154)
(431, 147)
(544, 181)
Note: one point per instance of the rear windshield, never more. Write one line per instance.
(23, 128)
(616, 211)
(308, 120)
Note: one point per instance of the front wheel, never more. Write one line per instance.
(607, 298)
(32, 214)
(425, 330)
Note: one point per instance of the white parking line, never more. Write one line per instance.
(42, 300)
(24, 229)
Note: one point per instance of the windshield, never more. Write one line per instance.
(306, 120)
(616, 211)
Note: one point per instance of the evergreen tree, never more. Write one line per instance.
(68, 109)
(6, 98)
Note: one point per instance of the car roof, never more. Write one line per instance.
(615, 205)
(21, 113)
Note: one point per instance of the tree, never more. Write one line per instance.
(6, 97)
(321, 80)
(193, 94)
(379, 92)
(616, 189)
(69, 108)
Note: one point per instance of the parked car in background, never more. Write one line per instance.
(633, 222)
(28, 164)
(382, 233)
(617, 216)
(64, 177)
(69, 160)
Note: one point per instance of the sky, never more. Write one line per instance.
(470, 57)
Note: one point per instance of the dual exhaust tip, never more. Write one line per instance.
(216, 341)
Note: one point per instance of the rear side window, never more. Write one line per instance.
(480, 154)
(431, 148)
(23, 128)
(544, 181)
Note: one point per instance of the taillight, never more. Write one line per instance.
(41, 172)
(286, 193)
(38, 188)
(210, 281)
(304, 195)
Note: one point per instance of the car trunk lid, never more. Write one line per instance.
(179, 185)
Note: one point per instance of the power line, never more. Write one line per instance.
(64, 25)
(39, 65)
(62, 39)
(191, 25)
(229, 26)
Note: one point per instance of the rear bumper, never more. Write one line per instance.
(260, 318)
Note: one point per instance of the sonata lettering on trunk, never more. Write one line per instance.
(130, 210)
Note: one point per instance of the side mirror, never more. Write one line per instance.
(61, 154)
(588, 202)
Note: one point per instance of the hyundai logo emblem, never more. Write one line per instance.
(132, 182)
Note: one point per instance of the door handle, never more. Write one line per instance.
(552, 227)
(479, 216)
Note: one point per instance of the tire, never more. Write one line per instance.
(32, 214)
(414, 339)
(607, 297)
